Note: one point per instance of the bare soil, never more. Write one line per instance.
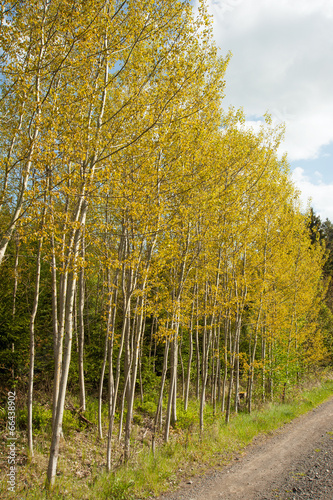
(293, 463)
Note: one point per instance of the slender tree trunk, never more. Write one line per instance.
(263, 358)
(231, 383)
(127, 370)
(158, 413)
(114, 384)
(140, 360)
(16, 276)
(252, 361)
(17, 246)
(56, 340)
(152, 341)
(122, 407)
(127, 350)
(237, 376)
(32, 347)
(59, 312)
(81, 300)
(101, 381)
(171, 413)
(190, 356)
(233, 354)
(225, 375)
(205, 353)
(270, 382)
(129, 416)
(108, 346)
(182, 365)
(216, 378)
(207, 336)
(197, 351)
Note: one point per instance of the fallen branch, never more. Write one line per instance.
(79, 414)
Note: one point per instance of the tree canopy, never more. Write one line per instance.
(146, 233)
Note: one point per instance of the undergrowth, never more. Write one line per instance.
(81, 470)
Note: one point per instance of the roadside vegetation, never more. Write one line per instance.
(82, 473)
(158, 272)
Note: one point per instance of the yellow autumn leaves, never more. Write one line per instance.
(116, 152)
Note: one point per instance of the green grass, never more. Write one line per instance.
(188, 453)
(185, 455)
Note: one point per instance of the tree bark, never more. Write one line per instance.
(32, 346)
(81, 301)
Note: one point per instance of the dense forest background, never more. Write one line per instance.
(153, 248)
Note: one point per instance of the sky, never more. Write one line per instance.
(282, 62)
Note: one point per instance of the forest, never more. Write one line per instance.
(154, 253)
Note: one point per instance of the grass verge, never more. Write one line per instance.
(187, 454)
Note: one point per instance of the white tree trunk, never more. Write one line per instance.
(32, 347)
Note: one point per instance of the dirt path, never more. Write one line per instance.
(296, 462)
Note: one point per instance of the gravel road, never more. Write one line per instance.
(294, 463)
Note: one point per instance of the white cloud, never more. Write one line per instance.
(282, 62)
(320, 194)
